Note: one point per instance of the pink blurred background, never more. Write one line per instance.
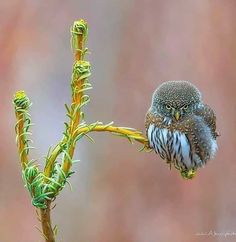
(119, 194)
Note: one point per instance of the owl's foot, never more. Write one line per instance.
(188, 174)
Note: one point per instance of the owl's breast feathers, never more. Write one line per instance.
(199, 130)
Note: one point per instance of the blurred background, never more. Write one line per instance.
(119, 194)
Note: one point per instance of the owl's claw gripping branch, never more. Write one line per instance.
(45, 185)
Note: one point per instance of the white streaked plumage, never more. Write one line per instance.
(172, 146)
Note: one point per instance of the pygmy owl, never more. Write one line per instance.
(180, 127)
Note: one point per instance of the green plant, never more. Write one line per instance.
(44, 186)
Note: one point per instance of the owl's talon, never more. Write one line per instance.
(188, 174)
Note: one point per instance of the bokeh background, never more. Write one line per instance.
(119, 194)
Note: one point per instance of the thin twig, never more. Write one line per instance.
(134, 134)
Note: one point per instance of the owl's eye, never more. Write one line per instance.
(185, 107)
(168, 107)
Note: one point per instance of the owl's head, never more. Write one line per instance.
(175, 99)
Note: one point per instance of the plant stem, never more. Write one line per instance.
(21, 142)
(52, 158)
(46, 223)
(22, 104)
(79, 33)
(136, 135)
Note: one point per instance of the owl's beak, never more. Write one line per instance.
(177, 115)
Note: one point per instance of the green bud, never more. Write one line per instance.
(21, 101)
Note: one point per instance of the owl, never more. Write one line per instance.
(180, 127)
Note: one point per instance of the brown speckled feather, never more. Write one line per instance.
(209, 117)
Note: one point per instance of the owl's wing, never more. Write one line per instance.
(192, 128)
(209, 117)
(200, 136)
